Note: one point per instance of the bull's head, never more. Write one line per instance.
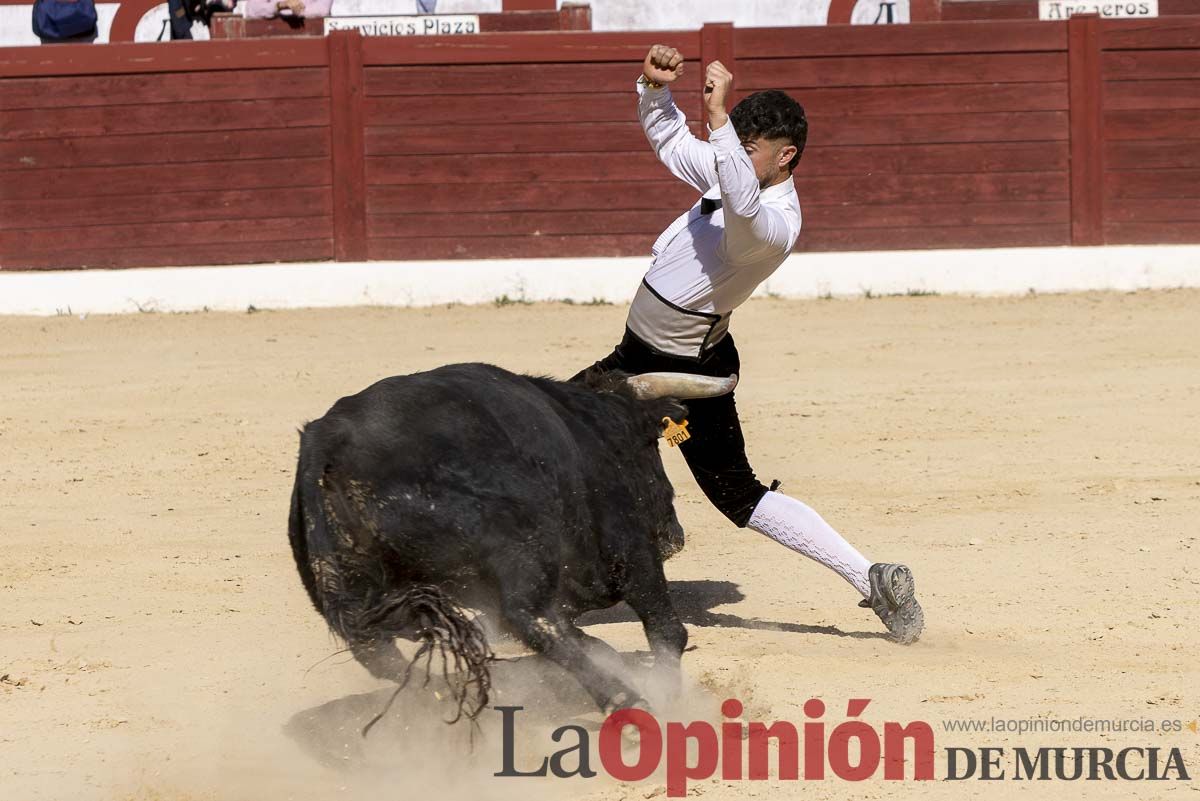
(669, 387)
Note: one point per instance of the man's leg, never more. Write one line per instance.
(716, 455)
(798, 526)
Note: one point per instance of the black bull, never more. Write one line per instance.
(529, 499)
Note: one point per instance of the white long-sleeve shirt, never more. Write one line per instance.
(712, 263)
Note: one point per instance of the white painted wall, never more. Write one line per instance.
(1000, 271)
(352, 8)
(607, 15)
(632, 15)
(16, 22)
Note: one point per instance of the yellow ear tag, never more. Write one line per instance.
(675, 433)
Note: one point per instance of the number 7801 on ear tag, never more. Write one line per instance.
(675, 433)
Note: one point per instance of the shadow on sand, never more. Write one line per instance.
(695, 600)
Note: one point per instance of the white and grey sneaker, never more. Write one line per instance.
(894, 599)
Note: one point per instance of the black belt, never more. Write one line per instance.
(709, 205)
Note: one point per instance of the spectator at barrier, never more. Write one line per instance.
(183, 14)
(64, 21)
(264, 9)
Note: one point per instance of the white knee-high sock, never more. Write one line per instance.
(796, 525)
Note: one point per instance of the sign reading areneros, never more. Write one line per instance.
(1110, 9)
(419, 25)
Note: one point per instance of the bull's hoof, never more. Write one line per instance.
(631, 736)
(626, 700)
(631, 740)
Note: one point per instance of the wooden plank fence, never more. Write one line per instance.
(511, 145)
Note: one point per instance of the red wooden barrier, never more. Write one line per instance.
(1150, 73)
(348, 161)
(716, 44)
(1087, 149)
(160, 154)
(527, 144)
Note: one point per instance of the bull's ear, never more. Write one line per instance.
(650, 386)
(667, 407)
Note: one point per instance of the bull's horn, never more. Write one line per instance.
(649, 386)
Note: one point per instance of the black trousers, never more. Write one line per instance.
(716, 453)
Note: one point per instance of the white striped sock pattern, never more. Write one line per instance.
(798, 526)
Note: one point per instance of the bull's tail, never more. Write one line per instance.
(444, 630)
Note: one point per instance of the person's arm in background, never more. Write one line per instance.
(688, 158)
(317, 8)
(263, 9)
(750, 226)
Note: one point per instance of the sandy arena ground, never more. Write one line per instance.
(1035, 460)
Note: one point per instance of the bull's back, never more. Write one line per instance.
(455, 466)
(465, 420)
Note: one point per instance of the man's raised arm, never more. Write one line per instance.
(750, 226)
(688, 158)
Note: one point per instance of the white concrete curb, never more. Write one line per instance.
(1001, 271)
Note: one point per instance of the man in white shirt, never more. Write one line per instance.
(705, 264)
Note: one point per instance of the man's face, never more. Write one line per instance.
(769, 159)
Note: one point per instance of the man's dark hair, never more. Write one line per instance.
(772, 115)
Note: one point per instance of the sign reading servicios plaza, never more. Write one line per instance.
(421, 25)
(1110, 9)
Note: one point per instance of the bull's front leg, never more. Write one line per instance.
(647, 593)
(587, 658)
